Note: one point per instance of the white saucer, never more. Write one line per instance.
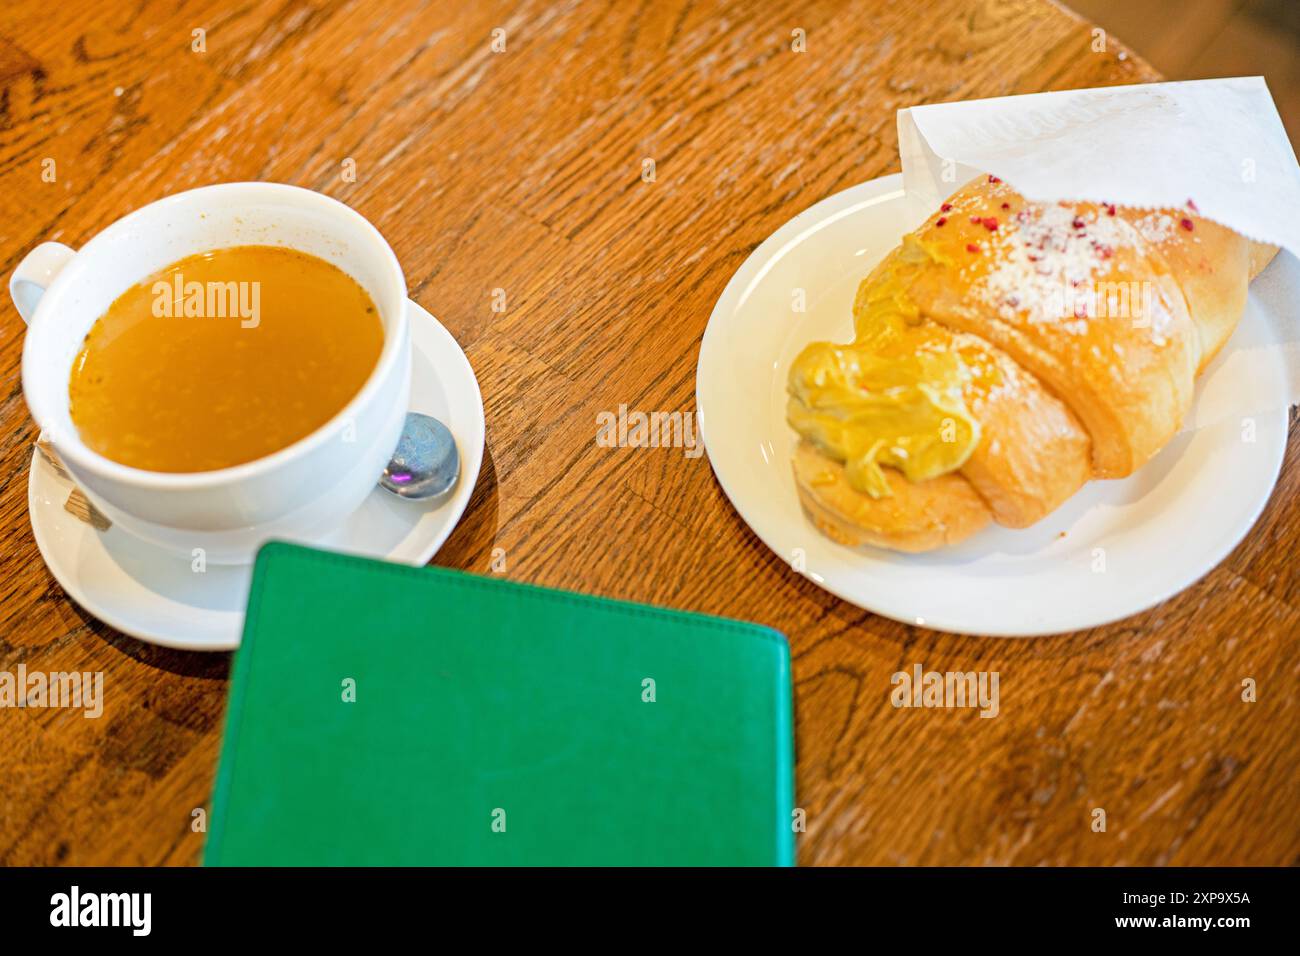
(158, 598)
(1115, 548)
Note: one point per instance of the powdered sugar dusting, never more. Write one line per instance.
(1045, 265)
(1005, 379)
(1155, 227)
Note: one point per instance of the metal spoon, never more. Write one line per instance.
(426, 463)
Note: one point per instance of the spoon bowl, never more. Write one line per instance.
(425, 463)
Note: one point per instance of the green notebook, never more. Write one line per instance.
(387, 715)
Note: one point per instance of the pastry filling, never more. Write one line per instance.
(891, 397)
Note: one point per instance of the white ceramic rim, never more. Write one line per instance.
(70, 446)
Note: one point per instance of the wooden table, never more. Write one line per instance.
(522, 171)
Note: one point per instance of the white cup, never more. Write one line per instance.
(297, 493)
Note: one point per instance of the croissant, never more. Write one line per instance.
(1005, 353)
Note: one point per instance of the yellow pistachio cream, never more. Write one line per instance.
(891, 397)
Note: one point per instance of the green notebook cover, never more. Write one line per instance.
(387, 715)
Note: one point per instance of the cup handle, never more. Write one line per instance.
(34, 275)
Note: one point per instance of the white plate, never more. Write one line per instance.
(1115, 548)
(158, 598)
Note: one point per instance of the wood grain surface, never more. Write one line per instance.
(521, 171)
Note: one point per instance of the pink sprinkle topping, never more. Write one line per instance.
(990, 223)
(941, 220)
(1006, 205)
(1110, 210)
(972, 247)
(945, 207)
(976, 220)
(1192, 206)
(994, 179)
(1187, 224)
(1077, 223)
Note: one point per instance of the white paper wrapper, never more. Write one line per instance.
(1217, 142)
